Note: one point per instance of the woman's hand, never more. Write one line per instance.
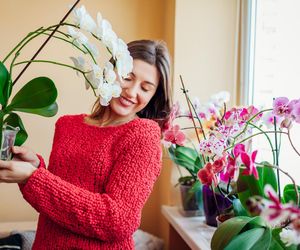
(15, 171)
(25, 154)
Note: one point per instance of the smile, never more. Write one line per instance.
(125, 102)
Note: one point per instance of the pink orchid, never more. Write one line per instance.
(296, 112)
(248, 161)
(282, 106)
(174, 135)
(275, 212)
(173, 114)
(207, 176)
(269, 119)
(231, 171)
(218, 165)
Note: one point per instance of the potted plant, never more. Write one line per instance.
(264, 216)
(38, 96)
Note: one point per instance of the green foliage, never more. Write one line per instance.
(238, 208)
(248, 186)
(187, 158)
(242, 233)
(36, 97)
(5, 85)
(15, 121)
(289, 193)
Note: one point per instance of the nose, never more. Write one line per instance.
(132, 90)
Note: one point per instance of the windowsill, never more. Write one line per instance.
(193, 230)
(7, 227)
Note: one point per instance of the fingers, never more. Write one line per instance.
(19, 150)
(5, 164)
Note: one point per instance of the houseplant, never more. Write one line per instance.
(38, 96)
(262, 219)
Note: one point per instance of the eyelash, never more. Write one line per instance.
(129, 79)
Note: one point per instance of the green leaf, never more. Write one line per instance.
(196, 186)
(48, 111)
(5, 84)
(37, 94)
(248, 186)
(15, 121)
(264, 241)
(267, 176)
(246, 240)
(199, 163)
(289, 193)
(184, 156)
(238, 208)
(276, 243)
(230, 228)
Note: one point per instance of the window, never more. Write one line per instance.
(272, 58)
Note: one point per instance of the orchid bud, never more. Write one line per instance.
(286, 123)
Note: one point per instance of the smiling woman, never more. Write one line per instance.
(99, 177)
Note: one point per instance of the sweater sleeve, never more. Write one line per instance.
(110, 216)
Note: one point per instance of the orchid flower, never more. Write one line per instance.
(79, 63)
(207, 176)
(84, 20)
(248, 161)
(174, 135)
(78, 37)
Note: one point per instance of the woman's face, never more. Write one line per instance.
(137, 90)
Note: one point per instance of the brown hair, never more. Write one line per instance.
(154, 53)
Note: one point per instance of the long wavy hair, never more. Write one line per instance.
(155, 53)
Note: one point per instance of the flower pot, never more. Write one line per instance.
(8, 139)
(223, 217)
(192, 202)
(211, 209)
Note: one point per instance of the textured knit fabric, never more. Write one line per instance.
(96, 184)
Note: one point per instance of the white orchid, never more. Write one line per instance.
(84, 20)
(289, 237)
(116, 90)
(109, 73)
(95, 77)
(102, 80)
(78, 37)
(79, 63)
(93, 49)
(105, 93)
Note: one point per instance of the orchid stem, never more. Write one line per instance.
(43, 45)
(277, 158)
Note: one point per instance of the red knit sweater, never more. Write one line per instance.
(97, 182)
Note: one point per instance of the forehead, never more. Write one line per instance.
(145, 71)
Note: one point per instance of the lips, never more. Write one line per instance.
(125, 102)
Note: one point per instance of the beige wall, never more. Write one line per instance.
(203, 49)
(131, 19)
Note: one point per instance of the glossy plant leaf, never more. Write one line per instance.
(234, 227)
(248, 186)
(15, 121)
(184, 156)
(230, 228)
(289, 193)
(5, 84)
(248, 239)
(267, 176)
(34, 97)
(48, 111)
(238, 208)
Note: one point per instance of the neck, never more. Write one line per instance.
(109, 119)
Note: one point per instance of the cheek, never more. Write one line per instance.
(145, 99)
